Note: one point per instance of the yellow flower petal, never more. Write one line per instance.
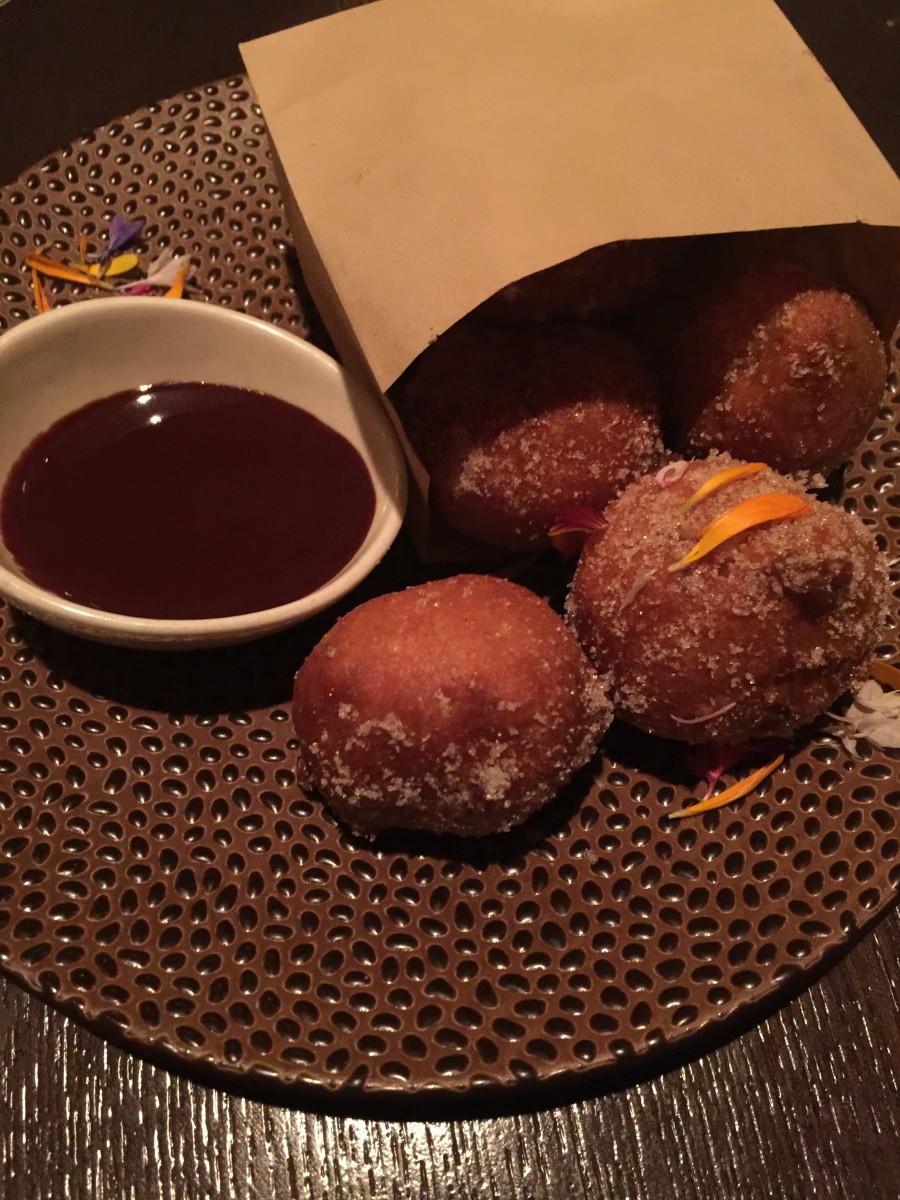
(719, 480)
(120, 265)
(736, 792)
(57, 270)
(757, 510)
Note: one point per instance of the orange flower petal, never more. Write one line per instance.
(736, 792)
(57, 270)
(770, 506)
(719, 480)
(41, 299)
(176, 291)
(885, 672)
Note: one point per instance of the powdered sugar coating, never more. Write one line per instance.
(775, 623)
(558, 417)
(459, 706)
(775, 364)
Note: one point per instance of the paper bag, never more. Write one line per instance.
(438, 149)
(433, 151)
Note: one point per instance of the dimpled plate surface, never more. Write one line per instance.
(163, 877)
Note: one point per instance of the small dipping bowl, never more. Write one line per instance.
(58, 362)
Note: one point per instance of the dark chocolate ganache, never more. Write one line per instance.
(186, 500)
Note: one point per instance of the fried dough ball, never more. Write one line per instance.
(459, 706)
(517, 426)
(576, 421)
(776, 364)
(754, 639)
(456, 378)
(606, 281)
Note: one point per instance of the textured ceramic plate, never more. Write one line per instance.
(162, 875)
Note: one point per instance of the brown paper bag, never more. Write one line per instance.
(433, 151)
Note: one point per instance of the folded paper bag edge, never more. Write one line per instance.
(393, 334)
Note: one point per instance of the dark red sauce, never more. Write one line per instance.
(186, 500)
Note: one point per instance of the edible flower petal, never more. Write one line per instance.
(885, 672)
(121, 234)
(671, 473)
(736, 792)
(710, 762)
(57, 270)
(176, 291)
(873, 716)
(163, 271)
(41, 299)
(720, 712)
(641, 580)
(120, 265)
(570, 530)
(719, 480)
(757, 510)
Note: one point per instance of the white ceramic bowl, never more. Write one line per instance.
(62, 360)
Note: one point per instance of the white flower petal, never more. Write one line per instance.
(873, 716)
(849, 744)
(886, 735)
(164, 271)
(869, 693)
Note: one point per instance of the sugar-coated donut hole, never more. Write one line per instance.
(774, 363)
(460, 706)
(517, 425)
(754, 639)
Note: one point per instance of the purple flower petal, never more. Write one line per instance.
(121, 234)
(137, 289)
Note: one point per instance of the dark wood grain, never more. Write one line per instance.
(802, 1107)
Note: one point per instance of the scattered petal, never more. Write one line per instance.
(49, 266)
(573, 526)
(885, 734)
(163, 272)
(121, 234)
(871, 695)
(710, 762)
(720, 712)
(671, 473)
(641, 581)
(736, 792)
(137, 289)
(176, 291)
(757, 510)
(885, 672)
(716, 482)
(120, 265)
(849, 744)
(41, 299)
(873, 716)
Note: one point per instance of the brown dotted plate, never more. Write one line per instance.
(162, 876)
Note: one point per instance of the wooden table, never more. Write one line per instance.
(803, 1106)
